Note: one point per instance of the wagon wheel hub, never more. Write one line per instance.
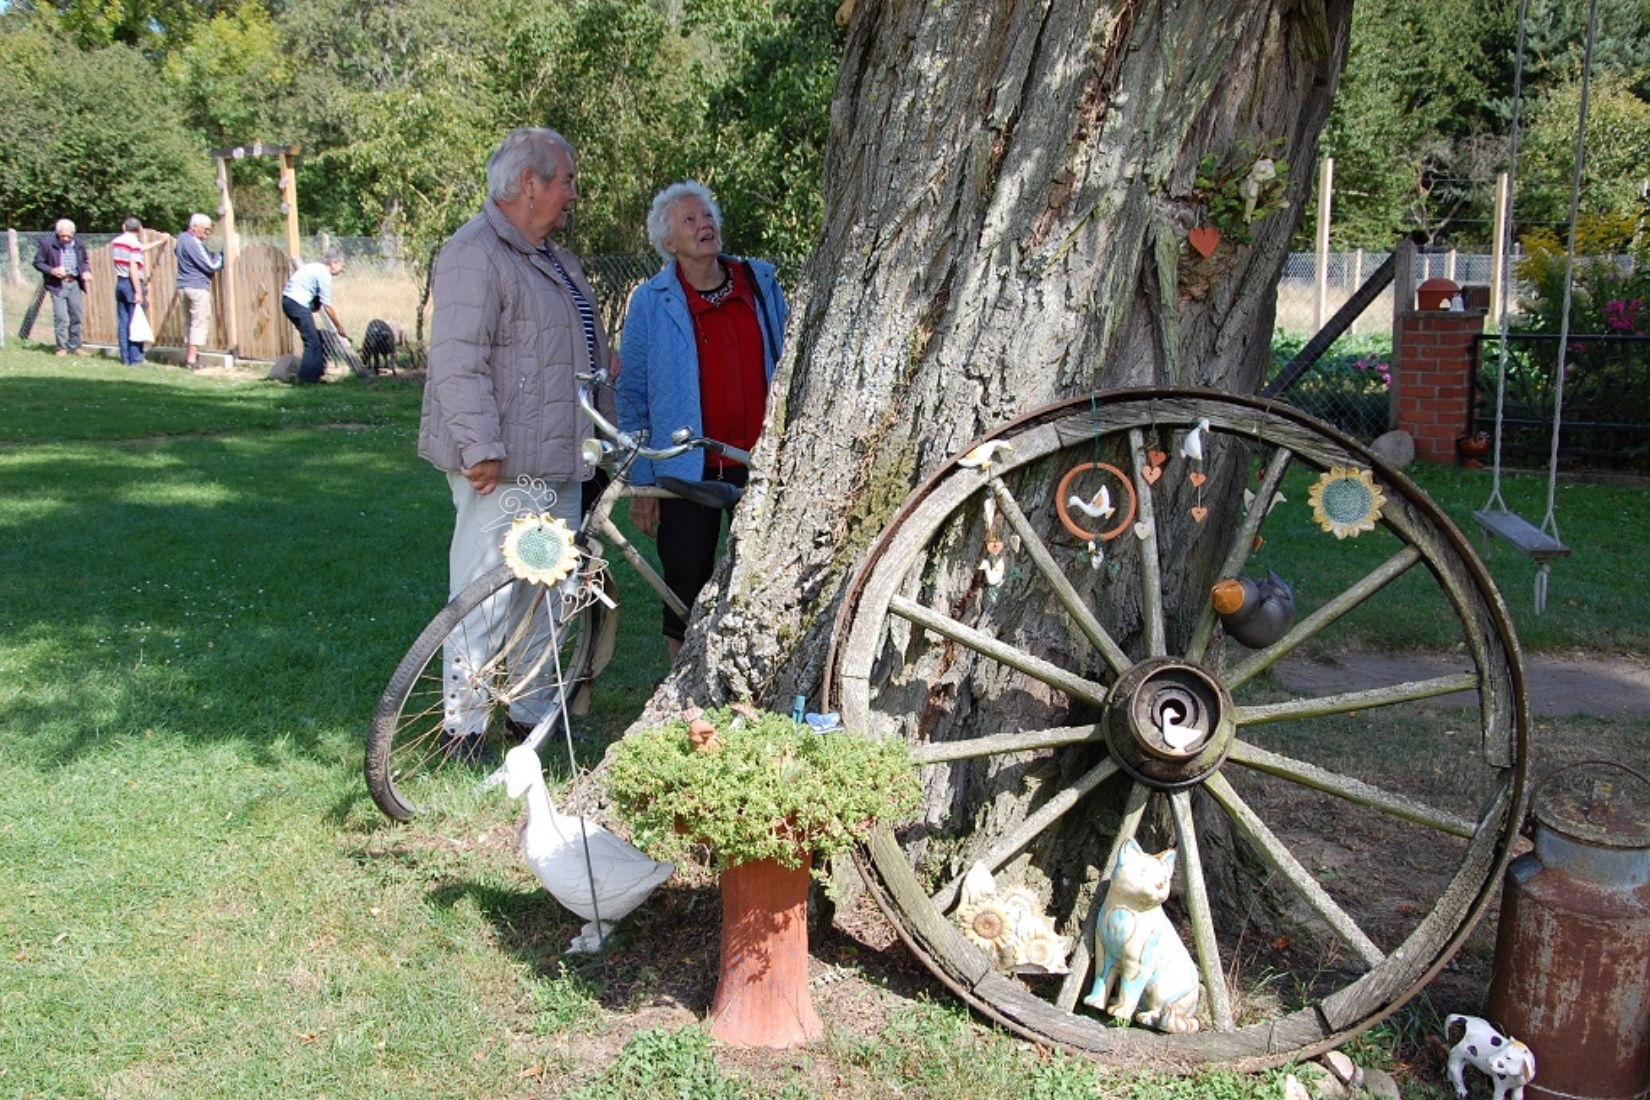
(1169, 723)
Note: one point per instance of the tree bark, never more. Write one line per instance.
(1009, 189)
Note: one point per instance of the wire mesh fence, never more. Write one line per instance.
(1306, 300)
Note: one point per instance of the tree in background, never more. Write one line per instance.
(92, 135)
(620, 83)
(1417, 130)
(768, 123)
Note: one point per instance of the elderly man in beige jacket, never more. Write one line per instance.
(515, 322)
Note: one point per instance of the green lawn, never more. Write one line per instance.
(204, 583)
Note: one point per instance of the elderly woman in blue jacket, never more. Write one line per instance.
(700, 343)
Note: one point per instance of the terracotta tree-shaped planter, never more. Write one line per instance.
(766, 796)
(762, 997)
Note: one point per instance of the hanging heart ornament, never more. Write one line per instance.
(1205, 238)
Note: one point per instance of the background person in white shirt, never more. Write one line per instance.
(308, 292)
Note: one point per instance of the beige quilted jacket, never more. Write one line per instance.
(504, 344)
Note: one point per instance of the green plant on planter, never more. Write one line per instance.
(1236, 197)
(763, 788)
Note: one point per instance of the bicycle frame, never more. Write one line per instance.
(599, 523)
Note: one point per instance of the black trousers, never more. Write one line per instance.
(688, 534)
(314, 363)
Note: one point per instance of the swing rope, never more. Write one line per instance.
(1549, 523)
(1505, 229)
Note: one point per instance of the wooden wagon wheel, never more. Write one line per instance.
(1335, 846)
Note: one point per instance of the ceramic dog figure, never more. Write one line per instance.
(1508, 1062)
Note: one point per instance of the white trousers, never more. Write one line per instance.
(473, 677)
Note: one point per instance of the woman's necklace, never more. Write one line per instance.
(717, 294)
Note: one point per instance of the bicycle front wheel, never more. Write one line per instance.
(497, 660)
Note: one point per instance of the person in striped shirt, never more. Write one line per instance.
(129, 252)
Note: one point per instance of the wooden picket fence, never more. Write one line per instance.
(259, 275)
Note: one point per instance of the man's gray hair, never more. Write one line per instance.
(131, 225)
(64, 225)
(658, 217)
(335, 256)
(199, 221)
(531, 148)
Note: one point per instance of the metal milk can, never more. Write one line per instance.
(1572, 952)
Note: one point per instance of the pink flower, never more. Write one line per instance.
(1622, 316)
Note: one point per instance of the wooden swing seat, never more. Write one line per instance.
(1525, 536)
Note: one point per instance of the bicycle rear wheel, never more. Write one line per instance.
(498, 659)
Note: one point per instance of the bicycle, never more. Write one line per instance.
(545, 623)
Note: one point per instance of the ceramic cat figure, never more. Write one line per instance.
(1146, 974)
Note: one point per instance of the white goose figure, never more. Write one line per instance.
(553, 845)
(1192, 446)
(1100, 507)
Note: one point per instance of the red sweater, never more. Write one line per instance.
(733, 376)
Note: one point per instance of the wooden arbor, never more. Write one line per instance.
(256, 290)
(1336, 846)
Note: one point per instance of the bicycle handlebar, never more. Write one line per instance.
(682, 441)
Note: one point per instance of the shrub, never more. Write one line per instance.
(771, 789)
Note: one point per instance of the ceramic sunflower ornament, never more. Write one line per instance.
(1346, 502)
(540, 548)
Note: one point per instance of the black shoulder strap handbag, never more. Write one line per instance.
(761, 311)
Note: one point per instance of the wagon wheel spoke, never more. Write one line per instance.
(1078, 687)
(1197, 906)
(1056, 579)
(1372, 582)
(1151, 580)
(1283, 861)
(999, 744)
(1046, 815)
(1082, 955)
(1353, 790)
(1348, 702)
(1242, 546)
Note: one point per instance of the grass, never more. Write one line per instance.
(1595, 600)
(204, 583)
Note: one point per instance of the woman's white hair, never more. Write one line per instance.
(531, 148)
(658, 216)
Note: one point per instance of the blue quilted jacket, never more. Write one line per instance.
(658, 388)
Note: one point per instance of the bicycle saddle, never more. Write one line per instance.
(712, 494)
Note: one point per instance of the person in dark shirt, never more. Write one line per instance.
(66, 269)
(196, 267)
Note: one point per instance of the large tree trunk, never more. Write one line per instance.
(1009, 188)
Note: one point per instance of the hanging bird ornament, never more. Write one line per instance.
(1255, 613)
(1099, 507)
(1175, 735)
(982, 457)
(1192, 446)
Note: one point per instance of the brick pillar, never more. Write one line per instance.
(1432, 378)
